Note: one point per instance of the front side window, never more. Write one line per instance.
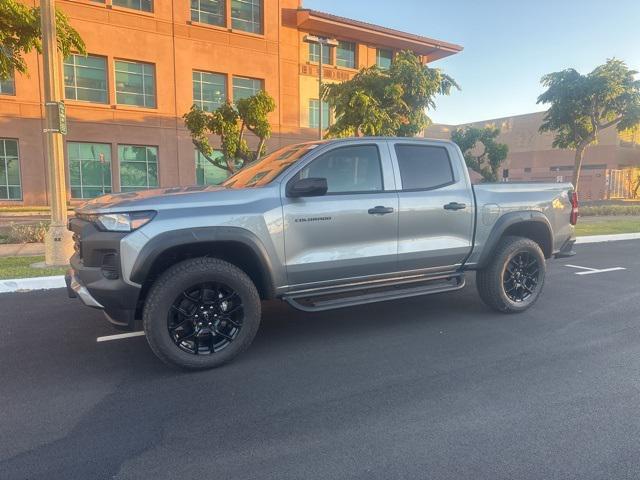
(384, 58)
(212, 12)
(89, 169)
(246, 15)
(314, 114)
(138, 167)
(85, 78)
(135, 84)
(143, 5)
(353, 169)
(209, 90)
(346, 54)
(8, 86)
(206, 172)
(10, 187)
(245, 87)
(314, 53)
(424, 167)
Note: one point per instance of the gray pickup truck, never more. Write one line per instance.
(319, 225)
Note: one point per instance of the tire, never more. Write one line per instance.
(491, 280)
(177, 297)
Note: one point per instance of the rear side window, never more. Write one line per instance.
(353, 169)
(424, 167)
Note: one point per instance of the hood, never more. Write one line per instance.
(151, 199)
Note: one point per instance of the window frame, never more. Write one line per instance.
(12, 81)
(231, 18)
(453, 181)
(144, 95)
(153, 7)
(141, 189)
(241, 77)
(68, 159)
(320, 104)
(75, 87)
(225, 19)
(320, 155)
(226, 86)
(6, 184)
(324, 48)
(378, 50)
(355, 54)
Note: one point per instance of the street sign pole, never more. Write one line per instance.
(58, 242)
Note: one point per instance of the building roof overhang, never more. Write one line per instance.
(328, 24)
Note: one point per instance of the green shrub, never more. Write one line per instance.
(601, 210)
(29, 233)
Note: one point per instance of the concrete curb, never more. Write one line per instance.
(607, 238)
(47, 283)
(28, 284)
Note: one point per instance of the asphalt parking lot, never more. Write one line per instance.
(435, 387)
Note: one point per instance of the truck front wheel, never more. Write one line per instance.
(201, 313)
(513, 279)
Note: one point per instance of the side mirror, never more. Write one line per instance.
(307, 187)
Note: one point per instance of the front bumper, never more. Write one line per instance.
(95, 275)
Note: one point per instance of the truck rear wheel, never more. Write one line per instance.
(201, 313)
(514, 278)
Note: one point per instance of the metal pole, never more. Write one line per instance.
(58, 242)
(320, 129)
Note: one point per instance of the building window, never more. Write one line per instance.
(10, 188)
(135, 84)
(138, 167)
(206, 172)
(89, 169)
(209, 90)
(213, 12)
(143, 5)
(8, 86)
(384, 59)
(314, 53)
(245, 87)
(246, 15)
(85, 78)
(314, 114)
(346, 54)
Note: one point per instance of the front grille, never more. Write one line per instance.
(77, 244)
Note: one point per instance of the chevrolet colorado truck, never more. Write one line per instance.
(320, 225)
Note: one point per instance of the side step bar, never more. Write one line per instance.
(349, 298)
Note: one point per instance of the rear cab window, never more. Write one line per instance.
(424, 167)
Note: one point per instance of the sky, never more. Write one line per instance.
(508, 44)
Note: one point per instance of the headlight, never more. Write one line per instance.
(122, 222)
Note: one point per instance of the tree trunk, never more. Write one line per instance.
(260, 147)
(577, 167)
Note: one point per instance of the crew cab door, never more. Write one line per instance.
(436, 205)
(349, 232)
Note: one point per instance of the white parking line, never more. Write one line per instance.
(119, 337)
(593, 271)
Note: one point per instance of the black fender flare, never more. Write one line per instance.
(508, 220)
(159, 244)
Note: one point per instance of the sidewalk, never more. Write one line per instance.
(21, 249)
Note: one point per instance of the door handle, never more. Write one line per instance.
(380, 210)
(455, 206)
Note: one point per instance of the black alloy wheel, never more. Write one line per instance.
(521, 276)
(205, 319)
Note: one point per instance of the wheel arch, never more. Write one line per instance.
(235, 245)
(533, 225)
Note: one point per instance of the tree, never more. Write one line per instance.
(230, 122)
(584, 105)
(488, 162)
(389, 102)
(20, 33)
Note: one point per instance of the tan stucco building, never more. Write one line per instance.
(149, 61)
(610, 168)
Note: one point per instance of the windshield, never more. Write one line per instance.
(266, 169)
